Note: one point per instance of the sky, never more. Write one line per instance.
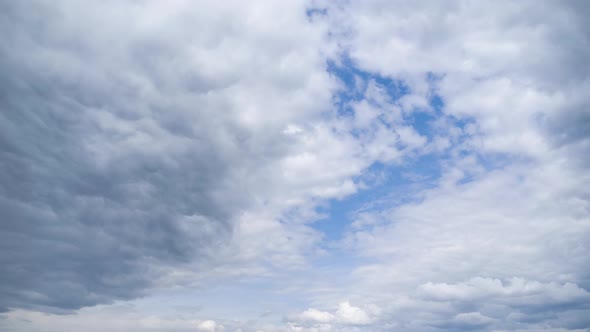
(283, 166)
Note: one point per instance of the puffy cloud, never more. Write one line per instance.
(349, 314)
(209, 326)
(507, 220)
(344, 317)
(507, 244)
(486, 61)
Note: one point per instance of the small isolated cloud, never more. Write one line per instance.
(317, 320)
(348, 314)
(209, 326)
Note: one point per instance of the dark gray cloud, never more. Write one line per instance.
(105, 177)
(570, 132)
(143, 142)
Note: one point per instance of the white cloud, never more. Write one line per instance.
(209, 326)
(346, 315)
(315, 315)
(516, 290)
(349, 314)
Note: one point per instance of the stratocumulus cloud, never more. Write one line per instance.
(295, 166)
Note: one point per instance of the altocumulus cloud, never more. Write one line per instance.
(150, 149)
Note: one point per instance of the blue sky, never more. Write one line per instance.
(294, 166)
(394, 182)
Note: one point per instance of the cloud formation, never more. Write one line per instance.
(149, 149)
(125, 151)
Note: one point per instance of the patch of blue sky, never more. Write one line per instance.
(354, 81)
(388, 186)
(385, 185)
(316, 11)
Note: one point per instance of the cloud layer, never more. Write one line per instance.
(152, 149)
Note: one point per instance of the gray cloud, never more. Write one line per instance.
(92, 192)
(120, 154)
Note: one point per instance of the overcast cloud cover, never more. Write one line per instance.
(294, 166)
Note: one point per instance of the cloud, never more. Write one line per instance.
(131, 152)
(315, 315)
(344, 317)
(494, 66)
(468, 321)
(508, 212)
(477, 246)
(209, 326)
(146, 147)
(349, 314)
(131, 148)
(518, 290)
